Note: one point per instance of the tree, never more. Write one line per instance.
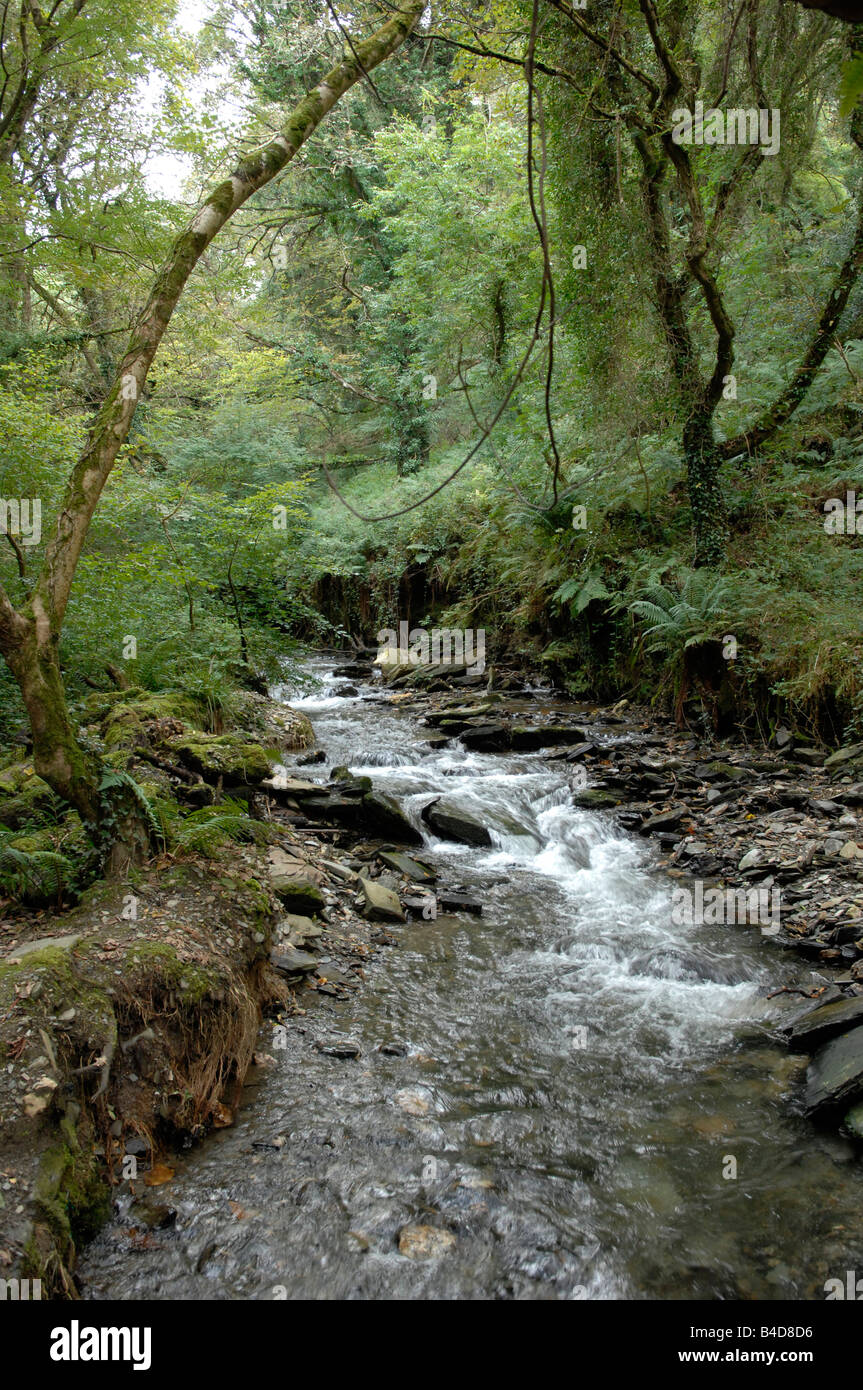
(625, 74)
(30, 634)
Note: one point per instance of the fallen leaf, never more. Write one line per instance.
(158, 1174)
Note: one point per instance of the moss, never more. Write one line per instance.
(25, 799)
(191, 981)
(123, 724)
(228, 756)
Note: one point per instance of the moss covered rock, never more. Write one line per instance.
(227, 756)
(25, 799)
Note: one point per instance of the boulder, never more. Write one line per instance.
(410, 868)
(380, 903)
(381, 815)
(452, 823)
(25, 798)
(852, 754)
(288, 960)
(835, 1075)
(227, 756)
(486, 738)
(819, 1025)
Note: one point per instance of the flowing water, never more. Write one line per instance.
(591, 1102)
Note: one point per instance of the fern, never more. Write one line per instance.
(35, 878)
(206, 830)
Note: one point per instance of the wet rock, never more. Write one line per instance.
(414, 1102)
(596, 799)
(581, 750)
(356, 670)
(339, 1047)
(380, 903)
(835, 1075)
(675, 963)
(486, 738)
(394, 1049)
(410, 868)
(290, 961)
(459, 902)
(344, 691)
(319, 756)
(424, 1242)
(155, 1216)
(381, 815)
(451, 823)
(818, 1025)
(854, 1121)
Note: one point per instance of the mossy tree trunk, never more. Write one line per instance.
(30, 637)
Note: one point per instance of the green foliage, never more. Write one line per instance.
(207, 830)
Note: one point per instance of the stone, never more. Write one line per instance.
(750, 860)
(852, 754)
(664, 820)
(854, 1121)
(380, 903)
(405, 865)
(424, 1242)
(835, 1075)
(289, 961)
(459, 902)
(382, 815)
(451, 823)
(819, 1025)
(486, 738)
(596, 799)
(43, 943)
(339, 1047)
(230, 757)
(298, 895)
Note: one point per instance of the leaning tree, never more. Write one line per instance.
(30, 634)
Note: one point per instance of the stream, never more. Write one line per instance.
(580, 1081)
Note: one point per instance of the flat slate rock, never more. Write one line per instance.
(459, 902)
(43, 943)
(404, 864)
(453, 824)
(835, 1075)
(821, 1024)
(289, 961)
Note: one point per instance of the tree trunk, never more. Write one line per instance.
(709, 522)
(30, 639)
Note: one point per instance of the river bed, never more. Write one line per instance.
(590, 1103)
